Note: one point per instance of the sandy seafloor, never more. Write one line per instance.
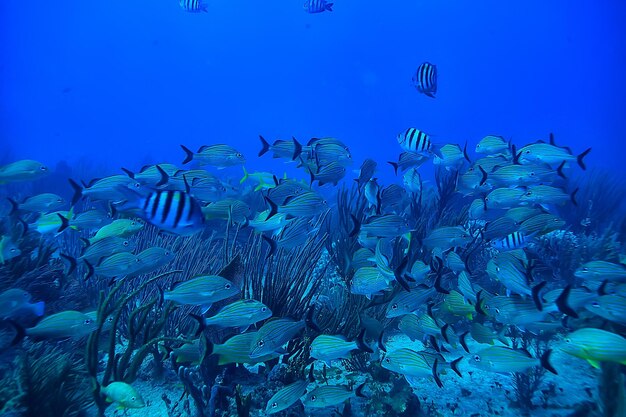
(478, 394)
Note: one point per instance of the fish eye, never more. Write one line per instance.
(12, 250)
(387, 360)
(313, 398)
(126, 243)
(497, 310)
(264, 309)
(87, 321)
(274, 405)
(527, 151)
(261, 343)
(133, 223)
(110, 319)
(238, 155)
(167, 253)
(133, 398)
(43, 168)
(476, 358)
(227, 286)
(324, 202)
(532, 174)
(595, 304)
(529, 193)
(568, 340)
(394, 307)
(585, 269)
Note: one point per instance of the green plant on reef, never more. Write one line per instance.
(144, 324)
(51, 383)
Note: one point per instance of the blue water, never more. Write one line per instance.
(123, 83)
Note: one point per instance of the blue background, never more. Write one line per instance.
(122, 83)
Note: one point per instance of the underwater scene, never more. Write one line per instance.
(317, 208)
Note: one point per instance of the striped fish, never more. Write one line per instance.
(242, 313)
(193, 6)
(154, 258)
(601, 270)
(330, 395)
(286, 397)
(219, 156)
(329, 347)
(425, 79)
(317, 6)
(202, 291)
(515, 240)
(595, 345)
(273, 335)
(237, 350)
(106, 247)
(407, 362)
(68, 323)
(414, 140)
(176, 212)
(116, 265)
(502, 359)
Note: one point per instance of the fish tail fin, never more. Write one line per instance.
(245, 175)
(562, 303)
(455, 366)
(188, 154)
(265, 146)
(201, 323)
(357, 226)
(395, 167)
(464, 342)
(559, 170)
(582, 156)
(545, 362)
(359, 391)
(72, 262)
(360, 342)
(311, 377)
(14, 206)
(465, 154)
(65, 223)
(381, 341)
(329, 7)
(38, 308)
(484, 177)
(573, 197)
(436, 375)
(273, 208)
(164, 177)
(297, 149)
(20, 332)
(90, 270)
(273, 246)
(209, 347)
(537, 296)
(78, 191)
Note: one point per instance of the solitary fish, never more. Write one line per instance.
(425, 79)
(24, 170)
(193, 6)
(123, 394)
(317, 6)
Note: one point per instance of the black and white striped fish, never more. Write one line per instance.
(173, 211)
(425, 79)
(414, 140)
(193, 6)
(515, 240)
(317, 6)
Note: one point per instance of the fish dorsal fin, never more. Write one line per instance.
(231, 270)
